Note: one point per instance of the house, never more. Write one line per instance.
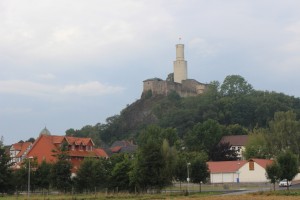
(236, 142)
(18, 151)
(253, 170)
(123, 146)
(47, 146)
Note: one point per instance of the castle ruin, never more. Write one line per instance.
(176, 81)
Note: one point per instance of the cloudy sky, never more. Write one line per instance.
(70, 63)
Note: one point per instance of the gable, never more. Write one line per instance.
(234, 166)
(43, 149)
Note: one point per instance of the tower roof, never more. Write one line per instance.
(45, 131)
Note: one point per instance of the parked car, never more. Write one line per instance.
(285, 183)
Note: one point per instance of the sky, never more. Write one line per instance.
(71, 63)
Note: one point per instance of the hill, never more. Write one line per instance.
(234, 105)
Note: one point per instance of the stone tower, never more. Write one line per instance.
(180, 65)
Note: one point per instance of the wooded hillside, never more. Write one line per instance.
(234, 106)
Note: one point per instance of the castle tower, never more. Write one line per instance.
(180, 65)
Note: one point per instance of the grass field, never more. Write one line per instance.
(279, 195)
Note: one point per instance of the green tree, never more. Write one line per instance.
(199, 169)
(203, 136)
(223, 152)
(120, 173)
(273, 173)
(284, 133)
(181, 168)
(43, 176)
(153, 159)
(85, 179)
(61, 170)
(5, 171)
(256, 146)
(20, 179)
(91, 175)
(61, 175)
(149, 167)
(288, 166)
(235, 85)
(170, 157)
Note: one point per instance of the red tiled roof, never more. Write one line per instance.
(116, 149)
(263, 162)
(101, 153)
(225, 166)
(43, 148)
(24, 146)
(235, 140)
(233, 166)
(77, 141)
(57, 139)
(17, 146)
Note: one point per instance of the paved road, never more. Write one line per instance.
(239, 192)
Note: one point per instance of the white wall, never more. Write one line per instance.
(244, 175)
(223, 177)
(256, 175)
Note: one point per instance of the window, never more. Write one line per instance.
(251, 165)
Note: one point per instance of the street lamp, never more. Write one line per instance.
(28, 192)
(188, 176)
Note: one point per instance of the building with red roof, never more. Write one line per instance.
(253, 170)
(46, 147)
(18, 151)
(237, 143)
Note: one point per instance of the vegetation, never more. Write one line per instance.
(175, 134)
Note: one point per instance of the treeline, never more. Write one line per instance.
(157, 163)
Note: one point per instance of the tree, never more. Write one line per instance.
(284, 133)
(180, 173)
(5, 171)
(61, 175)
(199, 169)
(235, 85)
(272, 173)
(149, 167)
(256, 146)
(85, 179)
(288, 166)
(43, 176)
(61, 170)
(170, 157)
(154, 163)
(20, 179)
(30, 140)
(120, 174)
(223, 152)
(203, 136)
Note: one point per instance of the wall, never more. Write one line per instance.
(229, 177)
(160, 87)
(256, 175)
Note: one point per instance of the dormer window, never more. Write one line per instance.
(73, 147)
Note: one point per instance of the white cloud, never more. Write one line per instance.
(29, 88)
(91, 89)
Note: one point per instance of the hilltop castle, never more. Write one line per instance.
(176, 81)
